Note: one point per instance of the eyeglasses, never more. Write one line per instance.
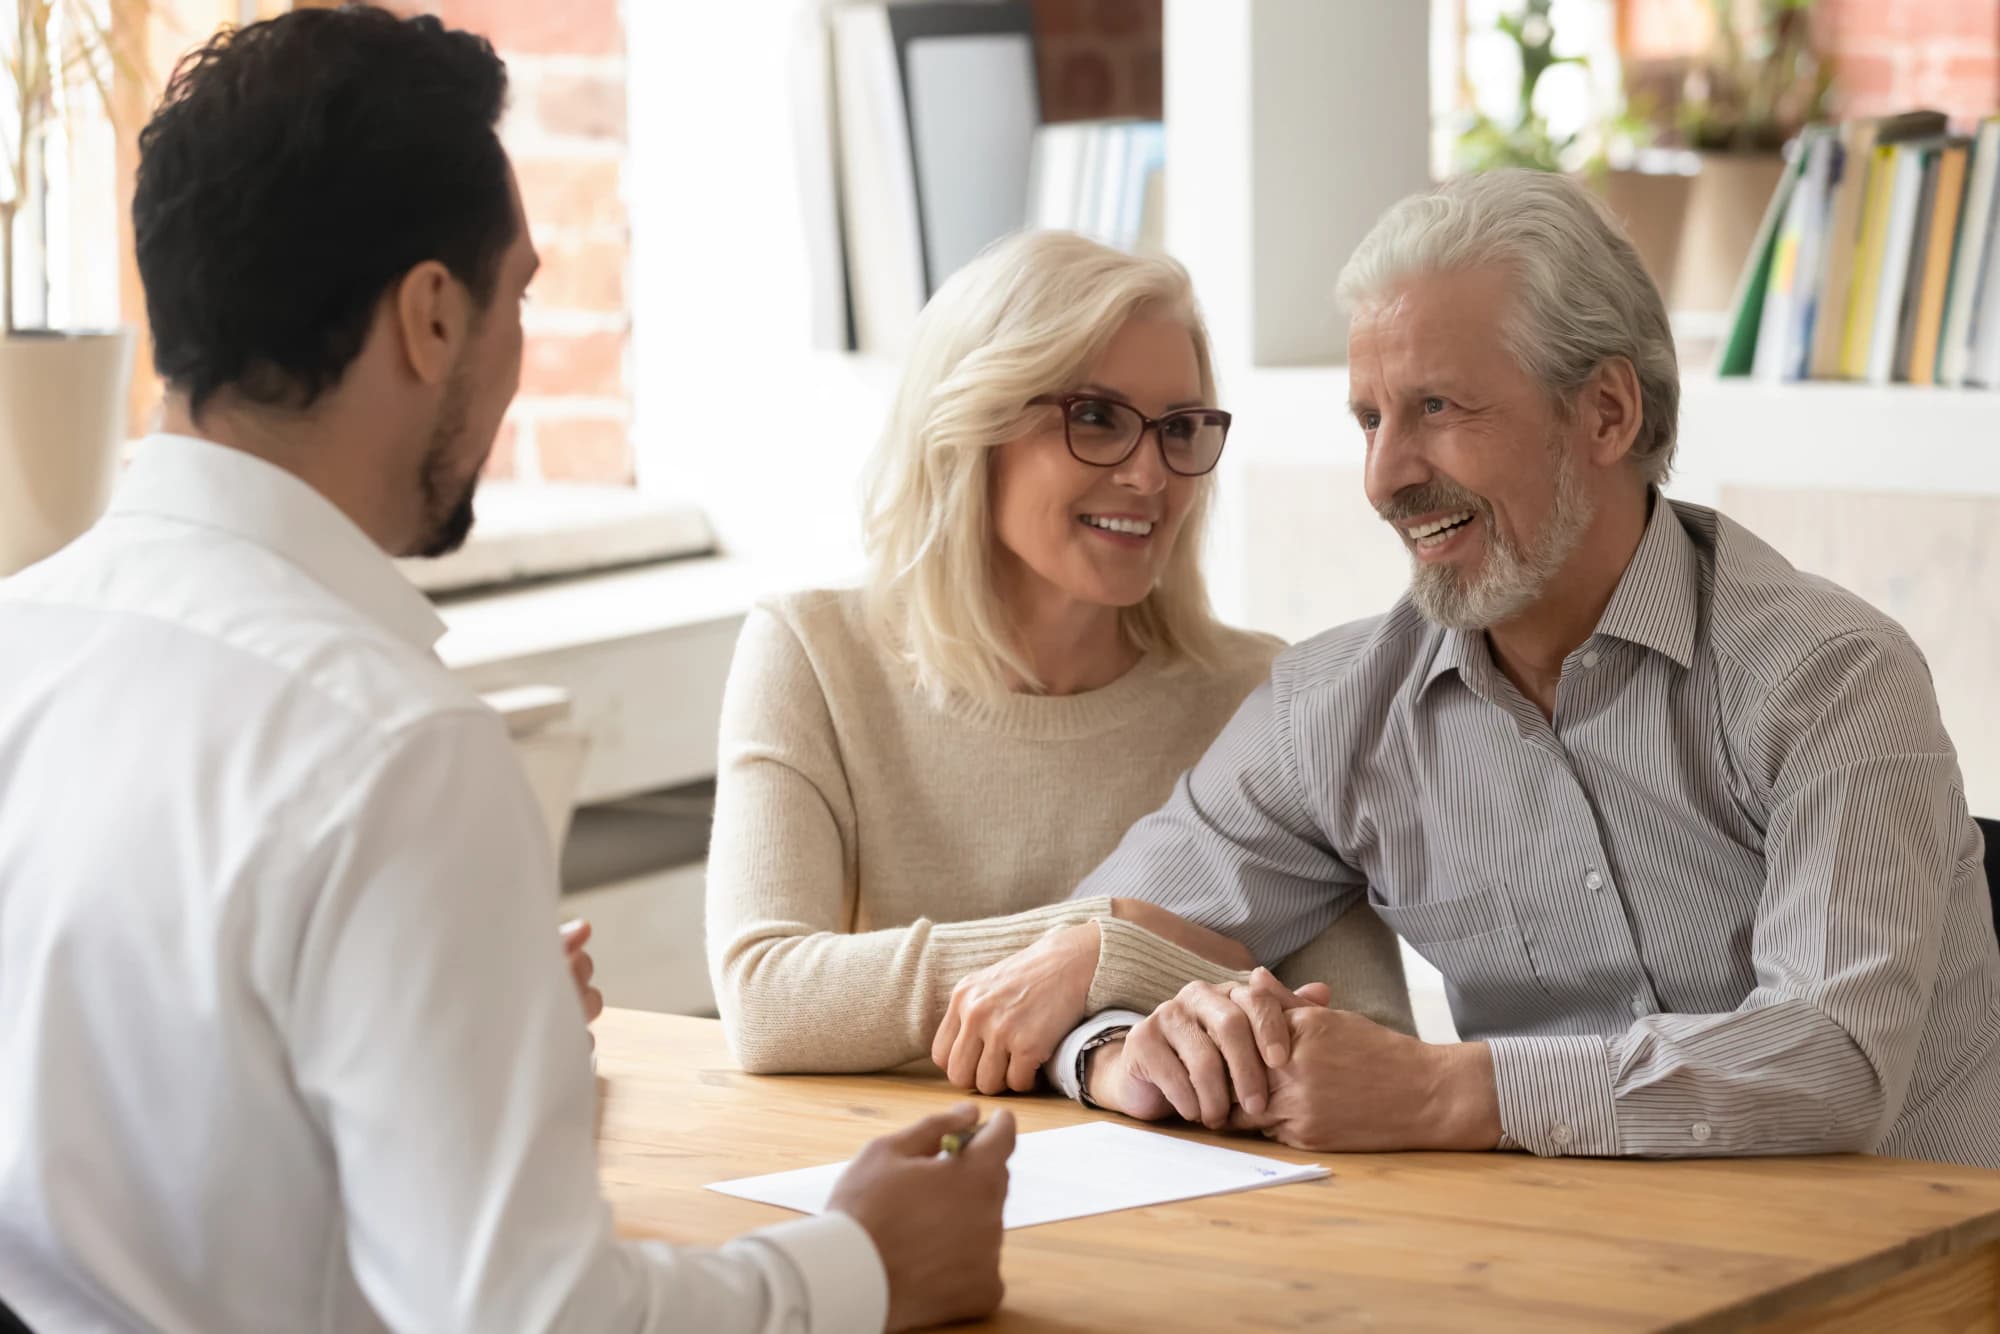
(1104, 432)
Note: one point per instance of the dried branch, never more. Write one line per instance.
(34, 72)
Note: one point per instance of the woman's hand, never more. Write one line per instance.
(1006, 1019)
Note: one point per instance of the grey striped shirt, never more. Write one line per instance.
(1729, 902)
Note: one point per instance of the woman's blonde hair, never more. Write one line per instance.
(1028, 317)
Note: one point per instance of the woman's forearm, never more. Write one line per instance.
(1172, 927)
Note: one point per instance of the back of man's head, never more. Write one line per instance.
(295, 170)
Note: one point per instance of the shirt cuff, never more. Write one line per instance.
(846, 1287)
(1555, 1095)
(1061, 1068)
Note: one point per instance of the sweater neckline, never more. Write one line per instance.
(1064, 717)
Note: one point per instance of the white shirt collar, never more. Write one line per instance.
(189, 480)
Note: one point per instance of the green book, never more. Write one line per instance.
(1746, 312)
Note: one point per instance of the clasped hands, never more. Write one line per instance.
(1258, 1056)
(1247, 1056)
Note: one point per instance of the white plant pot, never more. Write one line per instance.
(62, 421)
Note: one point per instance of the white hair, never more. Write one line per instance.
(1582, 295)
(1028, 317)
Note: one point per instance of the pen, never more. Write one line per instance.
(955, 1140)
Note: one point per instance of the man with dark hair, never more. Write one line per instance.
(251, 831)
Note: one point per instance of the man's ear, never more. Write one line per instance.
(433, 318)
(1610, 409)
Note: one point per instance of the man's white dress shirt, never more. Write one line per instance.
(286, 1039)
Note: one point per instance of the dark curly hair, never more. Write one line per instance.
(295, 171)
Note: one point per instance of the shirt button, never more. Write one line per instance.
(1593, 881)
(1701, 1130)
(1562, 1136)
(1640, 1009)
(1590, 658)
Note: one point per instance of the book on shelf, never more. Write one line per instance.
(937, 106)
(1100, 178)
(1739, 344)
(1940, 222)
(1788, 301)
(1910, 166)
(1878, 259)
(1977, 224)
(878, 191)
(1846, 214)
(1982, 343)
(809, 65)
(1864, 283)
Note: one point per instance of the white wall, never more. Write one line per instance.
(1291, 125)
(733, 406)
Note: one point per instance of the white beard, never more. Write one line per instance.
(1509, 579)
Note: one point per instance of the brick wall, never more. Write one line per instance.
(1888, 55)
(1099, 58)
(566, 133)
(1891, 55)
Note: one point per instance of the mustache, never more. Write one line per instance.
(1430, 498)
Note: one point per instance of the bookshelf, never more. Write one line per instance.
(1842, 437)
(723, 297)
(1872, 261)
(1734, 432)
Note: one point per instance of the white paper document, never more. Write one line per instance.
(1095, 1168)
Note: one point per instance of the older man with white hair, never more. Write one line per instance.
(1678, 823)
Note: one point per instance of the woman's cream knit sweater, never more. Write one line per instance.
(871, 848)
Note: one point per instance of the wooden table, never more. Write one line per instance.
(1389, 1241)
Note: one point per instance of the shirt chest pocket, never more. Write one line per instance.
(1473, 940)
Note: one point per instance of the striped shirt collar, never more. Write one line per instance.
(1657, 605)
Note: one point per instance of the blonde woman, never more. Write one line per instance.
(913, 775)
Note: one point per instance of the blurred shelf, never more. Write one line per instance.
(1819, 435)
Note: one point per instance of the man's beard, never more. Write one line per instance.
(1509, 579)
(447, 500)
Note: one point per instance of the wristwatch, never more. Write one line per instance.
(1104, 1039)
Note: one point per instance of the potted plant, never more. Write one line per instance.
(1524, 138)
(1487, 143)
(1529, 140)
(62, 391)
(1760, 83)
(1725, 114)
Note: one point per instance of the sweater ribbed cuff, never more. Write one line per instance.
(1136, 970)
(956, 949)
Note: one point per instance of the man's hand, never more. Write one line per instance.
(1006, 1019)
(1211, 1046)
(576, 935)
(1353, 1086)
(934, 1220)
(1111, 1085)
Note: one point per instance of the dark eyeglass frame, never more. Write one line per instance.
(1153, 424)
